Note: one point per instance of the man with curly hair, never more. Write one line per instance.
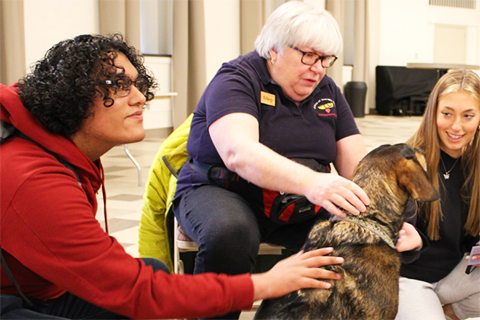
(84, 97)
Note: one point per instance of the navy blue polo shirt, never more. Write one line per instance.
(310, 130)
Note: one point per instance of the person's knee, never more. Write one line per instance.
(230, 242)
(228, 235)
(156, 264)
(225, 252)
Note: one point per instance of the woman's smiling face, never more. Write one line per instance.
(458, 119)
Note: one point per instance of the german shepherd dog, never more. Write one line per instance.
(369, 285)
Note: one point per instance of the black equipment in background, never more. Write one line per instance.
(403, 91)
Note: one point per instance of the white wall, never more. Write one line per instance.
(158, 113)
(50, 21)
(222, 33)
(407, 30)
(402, 31)
(156, 26)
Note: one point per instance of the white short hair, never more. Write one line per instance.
(299, 24)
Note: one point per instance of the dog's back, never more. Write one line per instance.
(369, 285)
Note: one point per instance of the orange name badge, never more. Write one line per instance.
(267, 98)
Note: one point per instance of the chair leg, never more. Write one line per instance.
(139, 168)
(177, 263)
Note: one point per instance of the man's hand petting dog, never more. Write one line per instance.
(302, 270)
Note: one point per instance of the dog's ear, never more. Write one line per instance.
(413, 177)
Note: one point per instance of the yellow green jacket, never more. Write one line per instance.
(159, 192)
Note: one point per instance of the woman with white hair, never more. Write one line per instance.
(262, 139)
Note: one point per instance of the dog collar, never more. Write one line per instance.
(368, 225)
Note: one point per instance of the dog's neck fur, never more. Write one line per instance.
(374, 227)
(384, 215)
(382, 230)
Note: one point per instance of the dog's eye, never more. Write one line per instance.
(408, 153)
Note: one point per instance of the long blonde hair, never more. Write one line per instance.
(427, 139)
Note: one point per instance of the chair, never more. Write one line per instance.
(182, 243)
(135, 162)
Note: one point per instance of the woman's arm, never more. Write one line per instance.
(350, 150)
(236, 139)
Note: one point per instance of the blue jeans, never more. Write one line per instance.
(229, 230)
(67, 306)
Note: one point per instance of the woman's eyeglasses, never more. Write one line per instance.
(310, 58)
(122, 86)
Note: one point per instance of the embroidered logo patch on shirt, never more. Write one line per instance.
(325, 107)
(267, 98)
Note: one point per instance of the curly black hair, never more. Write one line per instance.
(59, 91)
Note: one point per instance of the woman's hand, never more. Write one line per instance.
(332, 191)
(475, 257)
(296, 272)
(236, 138)
(408, 239)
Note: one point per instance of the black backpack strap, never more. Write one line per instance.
(169, 167)
(213, 171)
(6, 130)
(12, 280)
(220, 172)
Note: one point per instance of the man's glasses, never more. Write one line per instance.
(310, 58)
(122, 86)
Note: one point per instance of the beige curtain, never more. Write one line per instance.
(251, 23)
(122, 16)
(189, 72)
(360, 70)
(180, 70)
(12, 56)
(336, 8)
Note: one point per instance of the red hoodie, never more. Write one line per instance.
(54, 243)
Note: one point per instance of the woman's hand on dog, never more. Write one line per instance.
(332, 191)
(299, 271)
(408, 239)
